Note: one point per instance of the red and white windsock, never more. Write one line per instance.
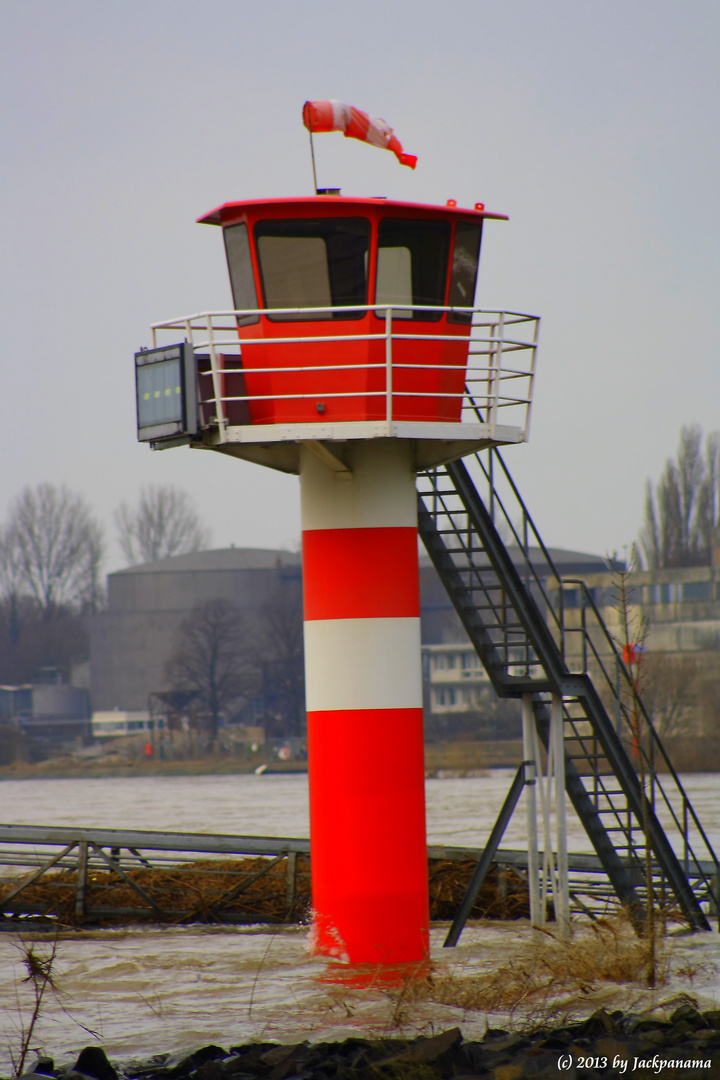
(364, 707)
(355, 124)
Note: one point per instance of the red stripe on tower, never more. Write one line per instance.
(361, 573)
(364, 707)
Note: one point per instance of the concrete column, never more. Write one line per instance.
(364, 706)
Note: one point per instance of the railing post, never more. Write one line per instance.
(714, 895)
(531, 770)
(562, 898)
(497, 366)
(531, 379)
(490, 364)
(81, 884)
(388, 366)
(491, 483)
(290, 882)
(216, 381)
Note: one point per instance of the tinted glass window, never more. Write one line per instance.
(237, 248)
(463, 279)
(159, 393)
(314, 263)
(412, 265)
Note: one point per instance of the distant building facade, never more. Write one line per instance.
(682, 606)
(132, 640)
(456, 680)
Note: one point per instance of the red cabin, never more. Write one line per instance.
(357, 309)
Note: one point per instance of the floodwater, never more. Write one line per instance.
(156, 989)
(460, 811)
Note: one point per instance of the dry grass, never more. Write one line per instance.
(504, 893)
(607, 951)
(197, 890)
(39, 962)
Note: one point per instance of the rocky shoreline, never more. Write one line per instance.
(686, 1045)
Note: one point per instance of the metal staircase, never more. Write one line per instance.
(514, 608)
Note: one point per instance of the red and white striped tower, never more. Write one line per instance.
(334, 382)
(364, 706)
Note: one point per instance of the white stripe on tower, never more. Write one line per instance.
(366, 664)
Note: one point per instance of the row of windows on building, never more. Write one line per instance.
(460, 660)
(676, 592)
(460, 698)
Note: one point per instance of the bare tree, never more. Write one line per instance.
(682, 511)
(164, 523)
(29, 642)
(51, 548)
(671, 692)
(213, 659)
(708, 510)
(280, 660)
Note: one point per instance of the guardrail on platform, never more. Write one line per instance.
(498, 376)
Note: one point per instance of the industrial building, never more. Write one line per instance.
(133, 638)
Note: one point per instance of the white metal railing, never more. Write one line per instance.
(499, 373)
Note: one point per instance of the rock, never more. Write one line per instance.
(500, 1055)
(611, 1047)
(284, 1060)
(44, 1066)
(192, 1062)
(509, 1072)
(431, 1049)
(599, 1024)
(92, 1062)
(689, 1015)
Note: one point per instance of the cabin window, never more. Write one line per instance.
(318, 263)
(242, 282)
(412, 266)
(463, 279)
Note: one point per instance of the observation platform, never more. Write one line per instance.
(262, 398)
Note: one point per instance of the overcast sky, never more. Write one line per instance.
(594, 124)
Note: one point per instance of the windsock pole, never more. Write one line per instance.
(364, 707)
(312, 158)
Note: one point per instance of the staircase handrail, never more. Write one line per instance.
(558, 619)
(656, 741)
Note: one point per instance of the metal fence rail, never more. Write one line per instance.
(501, 353)
(81, 855)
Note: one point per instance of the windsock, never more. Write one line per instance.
(354, 124)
